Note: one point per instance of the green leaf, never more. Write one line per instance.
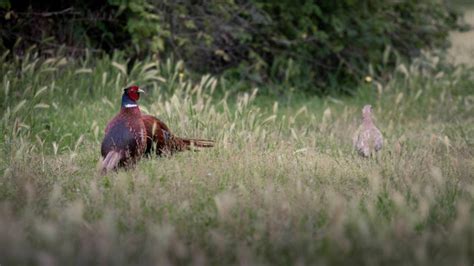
(5, 4)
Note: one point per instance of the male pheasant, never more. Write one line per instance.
(160, 139)
(367, 140)
(125, 135)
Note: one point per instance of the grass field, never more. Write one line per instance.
(282, 185)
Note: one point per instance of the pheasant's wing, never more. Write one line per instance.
(158, 134)
(150, 126)
(154, 127)
(119, 136)
(111, 124)
(378, 139)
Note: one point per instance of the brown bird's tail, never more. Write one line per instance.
(111, 161)
(199, 143)
(174, 144)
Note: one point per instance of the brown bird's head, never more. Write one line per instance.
(367, 111)
(130, 96)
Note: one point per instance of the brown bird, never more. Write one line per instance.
(163, 142)
(367, 140)
(125, 135)
(129, 135)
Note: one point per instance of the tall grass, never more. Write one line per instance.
(282, 185)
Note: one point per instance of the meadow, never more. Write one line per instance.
(282, 186)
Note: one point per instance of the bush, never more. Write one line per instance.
(326, 42)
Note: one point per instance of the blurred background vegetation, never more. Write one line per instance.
(315, 46)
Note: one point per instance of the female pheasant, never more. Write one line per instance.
(367, 140)
(125, 135)
(160, 139)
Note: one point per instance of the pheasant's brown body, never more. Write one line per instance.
(368, 139)
(125, 135)
(160, 138)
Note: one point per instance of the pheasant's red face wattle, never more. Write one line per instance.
(134, 93)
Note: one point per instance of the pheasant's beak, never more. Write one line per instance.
(140, 90)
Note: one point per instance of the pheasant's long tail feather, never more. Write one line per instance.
(183, 144)
(200, 143)
(111, 161)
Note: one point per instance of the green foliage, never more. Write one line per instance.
(143, 25)
(327, 43)
(5, 4)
